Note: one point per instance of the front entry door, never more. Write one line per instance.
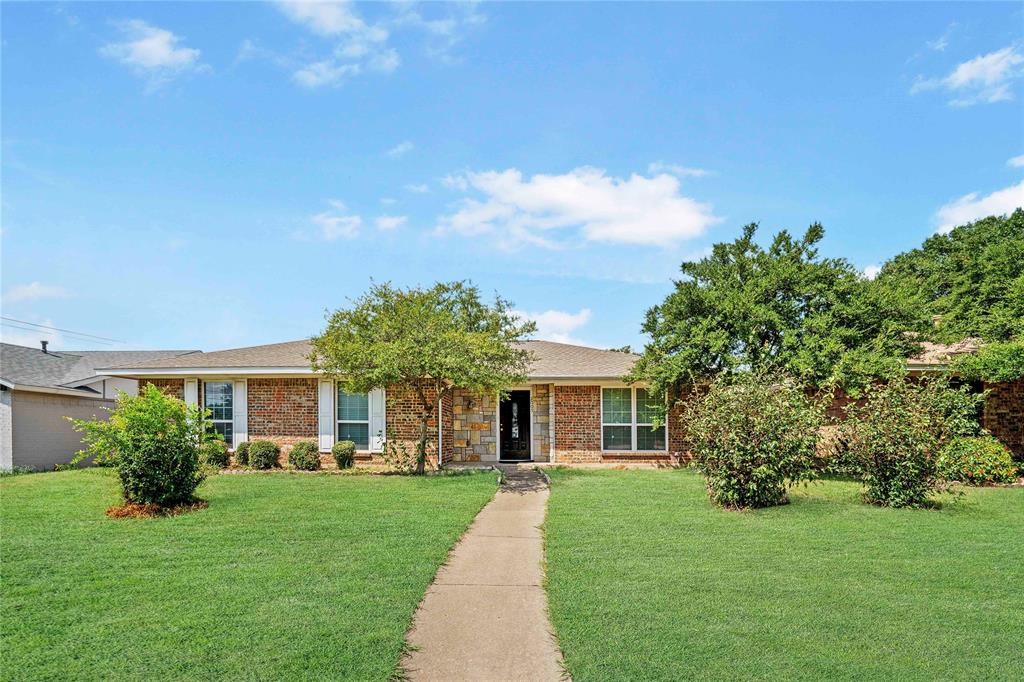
(514, 426)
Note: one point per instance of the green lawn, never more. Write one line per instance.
(282, 577)
(647, 581)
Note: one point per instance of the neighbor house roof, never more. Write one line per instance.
(24, 366)
(935, 355)
(551, 360)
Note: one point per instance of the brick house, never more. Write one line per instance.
(574, 408)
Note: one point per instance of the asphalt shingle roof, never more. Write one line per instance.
(33, 367)
(551, 360)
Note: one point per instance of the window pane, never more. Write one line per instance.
(224, 429)
(357, 433)
(618, 438)
(218, 397)
(353, 406)
(646, 407)
(616, 404)
(648, 439)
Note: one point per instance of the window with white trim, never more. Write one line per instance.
(627, 416)
(354, 418)
(218, 398)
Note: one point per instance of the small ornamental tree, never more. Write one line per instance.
(430, 340)
(895, 436)
(752, 435)
(154, 441)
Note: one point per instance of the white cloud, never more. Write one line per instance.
(872, 271)
(445, 33)
(400, 149)
(417, 189)
(972, 207)
(677, 170)
(458, 182)
(942, 42)
(327, 72)
(390, 222)
(359, 47)
(34, 291)
(599, 207)
(337, 222)
(558, 325)
(984, 79)
(1016, 162)
(324, 18)
(152, 52)
(388, 201)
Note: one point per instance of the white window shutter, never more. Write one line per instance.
(191, 392)
(240, 411)
(325, 410)
(377, 422)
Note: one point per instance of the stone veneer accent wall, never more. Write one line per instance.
(1004, 414)
(541, 427)
(474, 425)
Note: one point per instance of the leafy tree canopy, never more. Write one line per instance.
(972, 279)
(781, 308)
(432, 339)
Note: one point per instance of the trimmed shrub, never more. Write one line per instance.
(980, 460)
(896, 435)
(344, 452)
(263, 454)
(214, 453)
(153, 440)
(752, 436)
(242, 454)
(304, 456)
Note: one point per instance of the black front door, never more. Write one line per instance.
(514, 425)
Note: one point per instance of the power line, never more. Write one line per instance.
(71, 337)
(58, 329)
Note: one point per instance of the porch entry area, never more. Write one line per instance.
(514, 421)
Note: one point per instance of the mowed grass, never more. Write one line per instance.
(282, 577)
(647, 581)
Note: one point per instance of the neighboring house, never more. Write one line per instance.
(1003, 412)
(573, 409)
(40, 387)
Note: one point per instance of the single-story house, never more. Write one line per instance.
(40, 387)
(573, 409)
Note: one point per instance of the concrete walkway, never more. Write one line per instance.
(485, 615)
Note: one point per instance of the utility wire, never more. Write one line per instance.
(58, 329)
(70, 337)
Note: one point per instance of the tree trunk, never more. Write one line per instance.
(421, 447)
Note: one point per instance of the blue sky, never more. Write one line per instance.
(214, 175)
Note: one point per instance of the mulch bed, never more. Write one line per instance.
(130, 510)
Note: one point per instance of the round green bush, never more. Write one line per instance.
(214, 453)
(263, 454)
(344, 452)
(304, 456)
(242, 454)
(978, 460)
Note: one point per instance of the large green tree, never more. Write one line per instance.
(970, 279)
(745, 307)
(429, 339)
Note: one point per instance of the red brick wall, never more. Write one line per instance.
(577, 423)
(283, 408)
(403, 418)
(175, 387)
(1004, 414)
(447, 428)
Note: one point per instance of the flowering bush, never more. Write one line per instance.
(752, 436)
(977, 460)
(896, 434)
